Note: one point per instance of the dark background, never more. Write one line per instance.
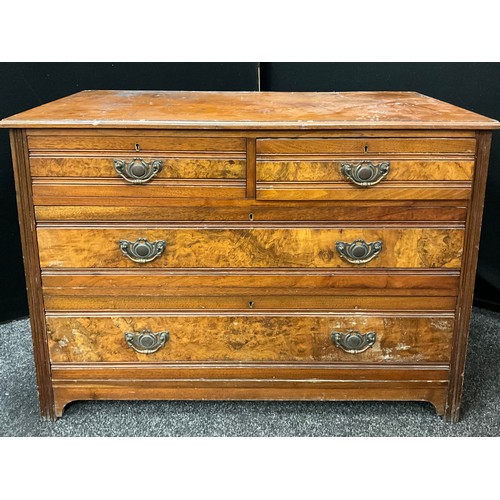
(474, 86)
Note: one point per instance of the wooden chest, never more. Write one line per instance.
(207, 245)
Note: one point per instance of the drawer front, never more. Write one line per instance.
(249, 338)
(119, 300)
(240, 210)
(249, 248)
(251, 291)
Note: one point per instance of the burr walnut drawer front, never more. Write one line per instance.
(316, 338)
(116, 168)
(364, 169)
(236, 247)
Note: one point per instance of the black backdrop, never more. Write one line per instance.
(475, 86)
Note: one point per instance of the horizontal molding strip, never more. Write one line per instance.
(113, 181)
(270, 271)
(249, 271)
(212, 365)
(235, 313)
(327, 157)
(214, 132)
(112, 154)
(217, 225)
(388, 184)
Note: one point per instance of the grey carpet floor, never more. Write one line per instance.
(480, 415)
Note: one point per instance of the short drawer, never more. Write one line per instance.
(365, 169)
(343, 338)
(119, 170)
(236, 247)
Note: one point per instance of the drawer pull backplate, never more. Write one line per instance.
(146, 342)
(354, 342)
(138, 171)
(365, 173)
(142, 250)
(359, 251)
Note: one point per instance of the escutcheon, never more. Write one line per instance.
(365, 173)
(142, 250)
(138, 171)
(353, 342)
(146, 342)
(359, 251)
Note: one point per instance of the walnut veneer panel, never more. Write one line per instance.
(247, 338)
(249, 248)
(329, 170)
(173, 168)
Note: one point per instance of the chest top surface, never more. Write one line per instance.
(244, 110)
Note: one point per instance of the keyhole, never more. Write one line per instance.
(366, 149)
(250, 304)
(250, 216)
(137, 147)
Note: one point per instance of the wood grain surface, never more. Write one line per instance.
(366, 146)
(173, 168)
(329, 170)
(124, 300)
(287, 191)
(245, 110)
(246, 338)
(135, 145)
(420, 373)
(247, 248)
(287, 282)
(187, 209)
(120, 192)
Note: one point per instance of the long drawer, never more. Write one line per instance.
(244, 210)
(308, 338)
(292, 291)
(237, 247)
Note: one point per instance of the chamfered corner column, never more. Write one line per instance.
(467, 277)
(29, 243)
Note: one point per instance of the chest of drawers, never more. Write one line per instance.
(204, 245)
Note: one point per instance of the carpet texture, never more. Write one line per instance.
(480, 409)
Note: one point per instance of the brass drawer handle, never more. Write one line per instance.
(142, 250)
(359, 251)
(354, 342)
(138, 171)
(365, 173)
(146, 342)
